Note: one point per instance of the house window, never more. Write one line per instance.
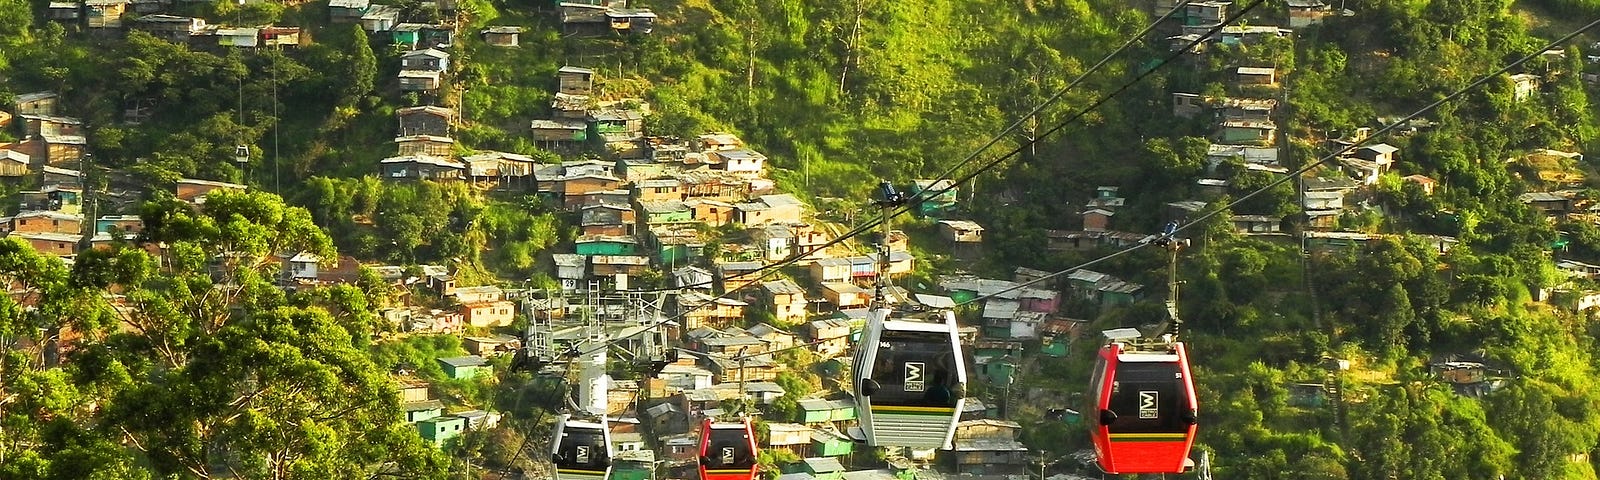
(61, 245)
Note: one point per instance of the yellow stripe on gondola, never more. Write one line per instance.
(724, 471)
(1148, 437)
(911, 409)
(580, 472)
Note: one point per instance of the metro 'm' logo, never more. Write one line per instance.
(727, 455)
(582, 454)
(914, 382)
(1149, 404)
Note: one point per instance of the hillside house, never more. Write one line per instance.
(845, 295)
(424, 409)
(439, 431)
(823, 468)
(484, 314)
(787, 299)
(701, 310)
(195, 191)
(172, 28)
(574, 80)
(380, 18)
(119, 223)
(574, 187)
(780, 208)
(419, 80)
(589, 245)
(666, 213)
(428, 59)
(832, 336)
(1236, 35)
(500, 168)
(105, 13)
(63, 150)
(470, 366)
(65, 12)
(1550, 204)
(275, 36)
(611, 265)
(1427, 184)
(1524, 86)
(736, 275)
(302, 267)
(711, 212)
(1247, 131)
(988, 447)
(36, 103)
(616, 125)
(1188, 105)
(13, 163)
(347, 11)
(816, 410)
(560, 130)
(1381, 154)
(685, 377)
(51, 125)
(424, 145)
(425, 120)
(900, 263)
(60, 244)
(1257, 76)
(1247, 109)
(607, 220)
(631, 20)
(46, 222)
(422, 167)
(491, 346)
(740, 161)
(1304, 13)
(501, 36)
(830, 443)
(691, 277)
(827, 270)
(570, 269)
(659, 189)
(790, 437)
(961, 233)
(571, 107)
(1257, 224)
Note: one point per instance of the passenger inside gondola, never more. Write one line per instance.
(1148, 397)
(914, 369)
(582, 449)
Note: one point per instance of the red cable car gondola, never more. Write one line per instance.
(727, 451)
(1144, 409)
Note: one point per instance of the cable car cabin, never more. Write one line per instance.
(1144, 408)
(727, 451)
(582, 450)
(910, 379)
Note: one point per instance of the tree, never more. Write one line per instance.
(363, 67)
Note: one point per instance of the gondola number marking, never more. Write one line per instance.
(914, 382)
(582, 454)
(727, 455)
(1148, 402)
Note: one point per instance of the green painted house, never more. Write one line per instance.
(423, 410)
(439, 430)
(816, 410)
(1055, 347)
(823, 468)
(830, 444)
(666, 212)
(589, 245)
(470, 366)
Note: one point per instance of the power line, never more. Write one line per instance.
(920, 197)
(1308, 167)
(763, 271)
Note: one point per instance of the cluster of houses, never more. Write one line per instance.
(51, 153)
(604, 17)
(147, 16)
(428, 413)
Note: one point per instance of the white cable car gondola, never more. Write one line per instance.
(910, 379)
(581, 450)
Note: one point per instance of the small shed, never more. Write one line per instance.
(470, 366)
(502, 36)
